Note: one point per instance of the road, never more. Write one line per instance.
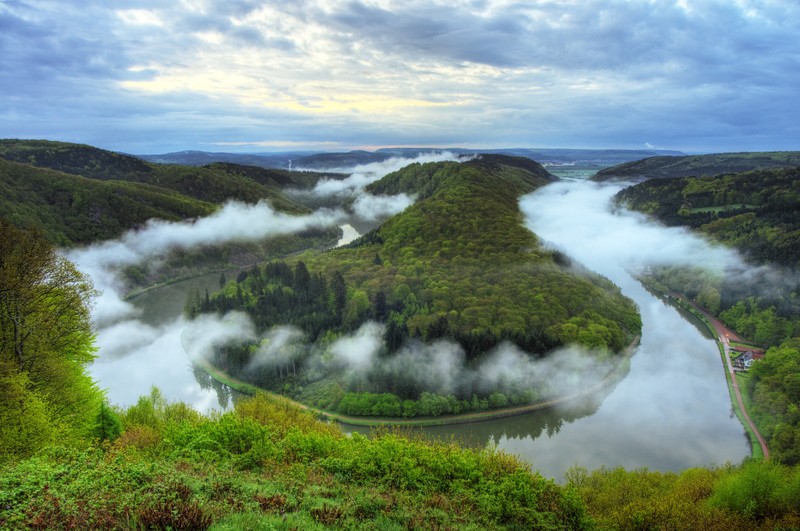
(725, 336)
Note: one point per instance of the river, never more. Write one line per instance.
(671, 411)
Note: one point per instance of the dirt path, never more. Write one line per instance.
(725, 335)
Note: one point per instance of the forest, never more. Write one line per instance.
(758, 213)
(69, 460)
(708, 165)
(78, 195)
(458, 265)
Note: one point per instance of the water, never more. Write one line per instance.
(672, 410)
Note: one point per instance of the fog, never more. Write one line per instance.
(577, 217)
(135, 353)
(362, 175)
(234, 222)
(351, 190)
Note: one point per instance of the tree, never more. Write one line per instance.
(108, 426)
(380, 308)
(45, 331)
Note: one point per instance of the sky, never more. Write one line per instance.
(148, 76)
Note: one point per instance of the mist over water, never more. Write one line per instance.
(670, 412)
(147, 342)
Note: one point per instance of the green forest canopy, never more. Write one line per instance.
(458, 264)
(670, 167)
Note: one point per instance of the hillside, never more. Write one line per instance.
(76, 159)
(758, 212)
(73, 210)
(458, 264)
(80, 194)
(214, 183)
(670, 167)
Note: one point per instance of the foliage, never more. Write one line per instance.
(775, 387)
(756, 495)
(108, 426)
(46, 342)
(269, 464)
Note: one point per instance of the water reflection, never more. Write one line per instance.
(145, 350)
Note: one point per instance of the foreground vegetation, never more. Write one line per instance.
(758, 213)
(269, 465)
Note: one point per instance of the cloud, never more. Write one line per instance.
(440, 367)
(153, 77)
(367, 206)
(363, 175)
(200, 337)
(233, 222)
(359, 351)
(576, 217)
(279, 346)
(374, 207)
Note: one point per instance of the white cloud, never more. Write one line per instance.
(342, 73)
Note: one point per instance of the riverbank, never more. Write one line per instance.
(612, 377)
(723, 336)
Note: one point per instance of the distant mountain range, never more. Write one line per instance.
(584, 158)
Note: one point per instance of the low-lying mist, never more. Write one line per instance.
(439, 367)
(577, 217)
(351, 190)
(133, 353)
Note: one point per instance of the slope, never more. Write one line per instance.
(214, 183)
(76, 210)
(698, 165)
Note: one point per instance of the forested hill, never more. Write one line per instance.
(758, 212)
(698, 165)
(522, 175)
(458, 264)
(215, 183)
(71, 209)
(79, 194)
